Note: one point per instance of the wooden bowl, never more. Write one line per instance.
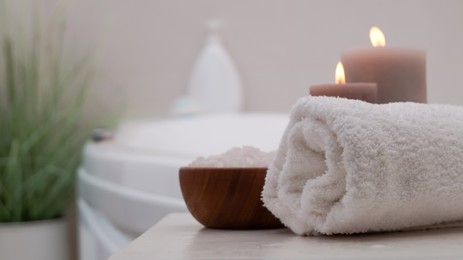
(227, 198)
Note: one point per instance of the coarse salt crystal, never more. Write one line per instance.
(246, 156)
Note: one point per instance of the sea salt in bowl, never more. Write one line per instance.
(224, 191)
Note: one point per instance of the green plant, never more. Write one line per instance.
(42, 94)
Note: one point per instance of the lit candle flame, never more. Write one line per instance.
(377, 37)
(340, 77)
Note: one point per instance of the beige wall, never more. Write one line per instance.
(280, 47)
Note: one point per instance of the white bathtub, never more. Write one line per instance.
(131, 182)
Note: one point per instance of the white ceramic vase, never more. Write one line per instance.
(46, 239)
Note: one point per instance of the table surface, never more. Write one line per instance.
(180, 236)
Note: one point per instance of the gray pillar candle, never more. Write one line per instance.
(365, 91)
(399, 73)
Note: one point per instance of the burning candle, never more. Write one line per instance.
(365, 91)
(399, 73)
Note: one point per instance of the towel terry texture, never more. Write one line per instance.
(346, 166)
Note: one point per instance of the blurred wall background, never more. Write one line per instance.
(280, 47)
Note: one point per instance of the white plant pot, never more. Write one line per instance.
(46, 239)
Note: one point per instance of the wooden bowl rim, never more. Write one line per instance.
(186, 168)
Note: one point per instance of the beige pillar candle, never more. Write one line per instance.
(399, 73)
(365, 91)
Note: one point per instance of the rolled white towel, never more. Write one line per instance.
(346, 166)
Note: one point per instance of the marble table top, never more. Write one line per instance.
(180, 236)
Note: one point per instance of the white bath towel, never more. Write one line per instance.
(346, 166)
